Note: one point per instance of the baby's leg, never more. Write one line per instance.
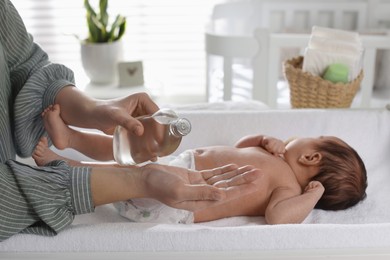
(94, 145)
(43, 155)
(60, 134)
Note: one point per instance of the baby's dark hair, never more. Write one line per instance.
(343, 175)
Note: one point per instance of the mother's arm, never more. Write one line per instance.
(79, 109)
(31, 80)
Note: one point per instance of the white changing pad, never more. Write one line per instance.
(365, 226)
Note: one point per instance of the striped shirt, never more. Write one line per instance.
(35, 200)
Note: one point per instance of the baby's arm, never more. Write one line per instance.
(285, 207)
(271, 144)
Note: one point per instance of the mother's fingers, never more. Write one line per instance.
(233, 188)
(126, 120)
(211, 173)
(228, 174)
(244, 175)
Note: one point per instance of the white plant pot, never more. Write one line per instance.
(100, 61)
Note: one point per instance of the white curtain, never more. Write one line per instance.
(167, 35)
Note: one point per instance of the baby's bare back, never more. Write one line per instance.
(276, 172)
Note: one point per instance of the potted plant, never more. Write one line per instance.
(102, 50)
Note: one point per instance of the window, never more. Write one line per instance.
(166, 35)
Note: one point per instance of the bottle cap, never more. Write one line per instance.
(182, 126)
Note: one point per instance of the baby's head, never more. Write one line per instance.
(343, 175)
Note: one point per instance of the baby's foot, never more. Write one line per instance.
(59, 132)
(42, 154)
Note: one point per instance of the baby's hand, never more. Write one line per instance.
(274, 145)
(315, 187)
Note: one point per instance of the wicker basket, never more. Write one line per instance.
(309, 91)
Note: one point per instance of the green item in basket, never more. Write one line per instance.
(336, 72)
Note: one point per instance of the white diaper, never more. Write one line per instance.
(153, 211)
(185, 160)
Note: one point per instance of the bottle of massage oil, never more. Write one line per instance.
(163, 132)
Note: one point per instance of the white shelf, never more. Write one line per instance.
(113, 91)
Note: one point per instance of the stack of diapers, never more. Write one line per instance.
(330, 72)
(336, 55)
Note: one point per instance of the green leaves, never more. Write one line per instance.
(103, 12)
(98, 24)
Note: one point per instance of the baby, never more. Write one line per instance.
(299, 175)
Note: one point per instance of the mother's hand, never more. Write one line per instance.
(123, 112)
(193, 190)
(78, 109)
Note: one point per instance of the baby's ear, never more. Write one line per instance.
(310, 159)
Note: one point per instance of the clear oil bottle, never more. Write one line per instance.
(163, 132)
